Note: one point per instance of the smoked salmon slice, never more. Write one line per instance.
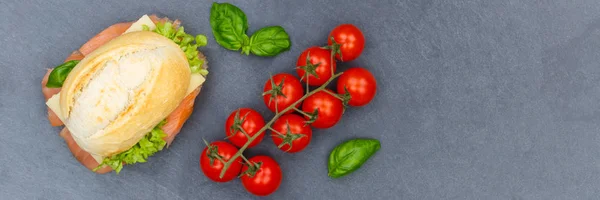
(114, 31)
(103, 37)
(157, 20)
(178, 117)
(81, 155)
(175, 120)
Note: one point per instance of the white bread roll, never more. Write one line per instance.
(119, 92)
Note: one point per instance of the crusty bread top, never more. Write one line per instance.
(119, 92)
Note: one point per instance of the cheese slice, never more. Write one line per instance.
(139, 24)
(54, 104)
(195, 81)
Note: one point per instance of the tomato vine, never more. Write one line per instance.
(279, 113)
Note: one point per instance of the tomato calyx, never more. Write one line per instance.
(237, 125)
(312, 117)
(213, 153)
(289, 137)
(275, 91)
(336, 48)
(309, 68)
(346, 97)
(253, 168)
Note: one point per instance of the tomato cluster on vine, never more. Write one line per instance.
(297, 111)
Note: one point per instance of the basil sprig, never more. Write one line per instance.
(229, 25)
(350, 156)
(59, 74)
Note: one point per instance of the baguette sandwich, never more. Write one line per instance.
(126, 93)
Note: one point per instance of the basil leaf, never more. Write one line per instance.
(59, 74)
(350, 155)
(229, 25)
(268, 41)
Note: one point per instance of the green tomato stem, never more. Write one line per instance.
(301, 112)
(243, 131)
(245, 159)
(333, 94)
(275, 131)
(332, 61)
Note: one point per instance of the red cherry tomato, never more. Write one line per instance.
(319, 58)
(211, 166)
(290, 92)
(250, 121)
(294, 132)
(350, 38)
(263, 177)
(329, 107)
(361, 85)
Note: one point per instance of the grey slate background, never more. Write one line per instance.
(476, 100)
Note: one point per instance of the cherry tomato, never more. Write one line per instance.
(289, 92)
(320, 64)
(294, 132)
(211, 166)
(329, 107)
(361, 85)
(250, 121)
(262, 177)
(351, 40)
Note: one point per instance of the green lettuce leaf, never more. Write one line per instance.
(188, 43)
(139, 153)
